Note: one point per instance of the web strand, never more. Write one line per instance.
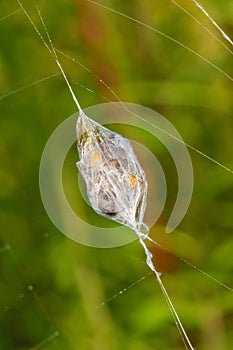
(45, 341)
(51, 49)
(202, 25)
(10, 14)
(93, 74)
(185, 261)
(190, 264)
(57, 60)
(181, 141)
(28, 85)
(162, 34)
(225, 36)
(175, 315)
(122, 291)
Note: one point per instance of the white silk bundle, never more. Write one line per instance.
(116, 183)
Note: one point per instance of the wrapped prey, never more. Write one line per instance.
(115, 181)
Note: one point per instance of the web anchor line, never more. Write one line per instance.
(142, 237)
(51, 49)
(225, 36)
(202, 25)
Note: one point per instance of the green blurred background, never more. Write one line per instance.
(50, 284)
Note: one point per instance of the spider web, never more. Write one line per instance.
(51, 303)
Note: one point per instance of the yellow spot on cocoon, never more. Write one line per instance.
(89, 137)
(133, 181)
(95, 158)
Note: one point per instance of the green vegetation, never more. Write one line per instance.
(49, 283)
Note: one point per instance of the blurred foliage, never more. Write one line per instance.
(50, 284)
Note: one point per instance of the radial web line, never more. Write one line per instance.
(190, 264)
(202, 25)
(51, 49)
(225, 36)
(28, 85)
(10, 14)
(45, 341)
(93, 74)
(177, 139)
(174, 313)
(57, 59)
(185, 261)
(122, 291)
(162, 34)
